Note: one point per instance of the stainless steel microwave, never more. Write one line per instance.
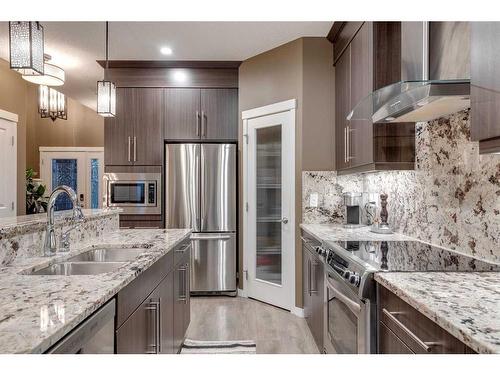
(135, 193)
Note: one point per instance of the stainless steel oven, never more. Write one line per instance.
(348, 319)
(135, 193)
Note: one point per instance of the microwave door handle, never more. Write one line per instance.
(353, 306)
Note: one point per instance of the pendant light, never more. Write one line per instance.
(106, 91)
(52, 103)
(26, 47)
(52, 76)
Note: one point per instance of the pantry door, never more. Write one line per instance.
(269, 250)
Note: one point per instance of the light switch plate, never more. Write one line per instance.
(313, 200)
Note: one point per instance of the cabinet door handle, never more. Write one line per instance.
(314, 290)
(309, 276)
(182, 249)
(135, 148)
(198, 123)
(423, 344)
(154, 307)
(203, 124)
(128, 148)
(345, 144)
(186, 283)
(182, 281)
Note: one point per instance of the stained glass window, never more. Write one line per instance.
(64, 172)
(94, 183)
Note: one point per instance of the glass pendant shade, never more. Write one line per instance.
(106, 98)
(26, 47)
(52, 103)
(52, 76)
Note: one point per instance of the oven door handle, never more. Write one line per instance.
(353, 306)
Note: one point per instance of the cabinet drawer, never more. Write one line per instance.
(415, 330)
(181, 250)
(130, 297)
(389, 343)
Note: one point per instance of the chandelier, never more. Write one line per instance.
(106, 91)
(26, 47)
(52, 76)
(52, 103)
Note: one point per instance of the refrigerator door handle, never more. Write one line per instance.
(209, 237)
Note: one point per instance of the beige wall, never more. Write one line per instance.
(83, 127)
(302, 70)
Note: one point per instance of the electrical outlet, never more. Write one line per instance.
(313, 200)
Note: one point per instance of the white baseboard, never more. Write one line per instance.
(242, 293)
(297, 311)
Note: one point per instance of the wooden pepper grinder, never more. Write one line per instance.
(383, 226)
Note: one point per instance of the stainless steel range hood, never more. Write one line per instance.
(440, 50)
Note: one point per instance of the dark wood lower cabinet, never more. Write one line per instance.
(181, 303)
(404, 330)
(153, 312)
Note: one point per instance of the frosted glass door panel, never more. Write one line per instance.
(269, 213)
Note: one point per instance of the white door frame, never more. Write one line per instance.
(13, 119)
(86, 153)
(285, 106)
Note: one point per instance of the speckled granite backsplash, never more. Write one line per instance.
(452, 198)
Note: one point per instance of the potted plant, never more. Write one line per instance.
(35, 200)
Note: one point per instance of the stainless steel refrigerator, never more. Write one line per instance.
(200, 189)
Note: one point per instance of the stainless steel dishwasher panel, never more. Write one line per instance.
(213, 262)
(96, 335)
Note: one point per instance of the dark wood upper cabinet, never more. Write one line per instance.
(148, 127)
(485, 86)
(342, 107)
(134, 136)
(183, 114)
(370, 60)
(119, 130)
(219, 108)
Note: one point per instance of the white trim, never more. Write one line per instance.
(242, 293)
(71, 149)
(297, 311)
(270, 109)
(9, 116)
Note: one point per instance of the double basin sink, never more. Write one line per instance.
(92, 262)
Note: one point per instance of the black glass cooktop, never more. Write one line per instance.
(410, 256)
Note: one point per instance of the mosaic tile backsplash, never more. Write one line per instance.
(452, 198)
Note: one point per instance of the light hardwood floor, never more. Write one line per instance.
(234, 318)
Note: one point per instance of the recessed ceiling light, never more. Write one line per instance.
(180, 76)
(166, 50)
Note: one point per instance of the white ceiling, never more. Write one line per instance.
(75, 46)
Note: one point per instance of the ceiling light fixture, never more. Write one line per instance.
(52, 103)
(166, 50)
(106, 90)
(26, 47)
(52, 76)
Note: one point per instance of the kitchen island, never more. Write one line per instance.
(36, 311)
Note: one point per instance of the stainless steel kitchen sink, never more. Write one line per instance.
(79, 268)
(112, 254)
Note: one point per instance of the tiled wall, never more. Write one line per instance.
(452, 198)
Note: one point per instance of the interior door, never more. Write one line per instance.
(269, 244)
(8, 168)
(218, 188)
(65, 168)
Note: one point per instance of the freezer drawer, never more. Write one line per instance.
(213, 262)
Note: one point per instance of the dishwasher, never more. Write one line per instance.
(96, 335)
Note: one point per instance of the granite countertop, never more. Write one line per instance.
(17, 225)
(37, 311)
(337, 232)
(466, 304)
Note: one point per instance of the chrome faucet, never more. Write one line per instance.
(50, 243)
